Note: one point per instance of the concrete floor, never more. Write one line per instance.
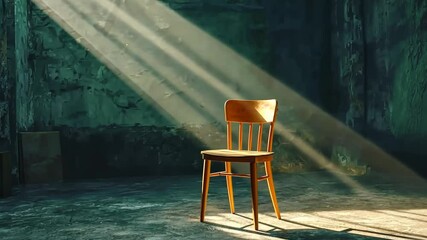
(314, 205)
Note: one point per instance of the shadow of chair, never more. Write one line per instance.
(253, 115)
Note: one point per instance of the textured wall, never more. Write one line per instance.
(24, 74)
(347, 91)
(396, 78)
(379, 59)
(362, 61)
(7, 82)
(349, 61)
(108, 129)
(4, 84)
(397, 83)
(72, 88)
(298, 37)
(117, 131)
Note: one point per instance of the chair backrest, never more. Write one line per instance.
(256, 114)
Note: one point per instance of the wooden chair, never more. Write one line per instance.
(250, 114)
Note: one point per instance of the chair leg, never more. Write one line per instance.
(271, 189)
(205, 187)
(254, 189)
(230, 187)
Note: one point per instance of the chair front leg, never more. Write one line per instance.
(205, 187)
(229, 187)
(254, 188)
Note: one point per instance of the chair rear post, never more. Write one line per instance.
(271, 131)
(270, 137)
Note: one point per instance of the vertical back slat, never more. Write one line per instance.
(270, 138)
(259, 143)
(250, 136)
(240, 136)
(229, 136)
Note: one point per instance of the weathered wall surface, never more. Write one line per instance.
(396, 73)
(290, 40)
(72, 88)
(117, 132)
(346, 97)
(396, 77)
(23, 73)
(133, 151)
(4, 83)
(299, 44)
(349, 62)
(379, 57)
(109, 129)
(361, 61)
(7, 82)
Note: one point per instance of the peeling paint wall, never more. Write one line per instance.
(362, 61)
(62, 86)
(7, 83)
(4, 84)
(396, 40)
(298, 44)
(349, 65)
(348, 88)
(134, 151)
(72, 88)
(299, 56)
(396, 78)
(380, 59)
(24, 75)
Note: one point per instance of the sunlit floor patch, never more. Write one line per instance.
(353, 224)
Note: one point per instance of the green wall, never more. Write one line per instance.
(379, 66)
(397, 67)
(360, 61)
(4, 83)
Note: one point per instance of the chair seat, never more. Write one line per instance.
(237, 155)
